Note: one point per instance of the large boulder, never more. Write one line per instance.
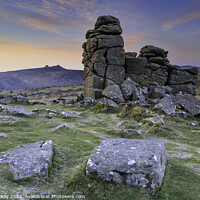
(92, 92)
(116, 56)
(180, 76)
(108, 24)
(157, 92)
(167, 105)
(115, 73)
(189, 103)
(30, 159)
(94, 82)
(109, 41)
(135, 65)
(185, 88)
(138, 162)
(114, 93)
(154, 51)
(129, 89)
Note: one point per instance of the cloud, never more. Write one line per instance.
(78, 4)
(186, 18)
(50, 23)
(53, 16)
(195, 33)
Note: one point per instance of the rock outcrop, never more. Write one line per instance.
(107, 66)
(110, 72)
(103, 57)
(138, 162)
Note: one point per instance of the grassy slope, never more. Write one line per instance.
(47, 94)
(72, 148)
(39, 77)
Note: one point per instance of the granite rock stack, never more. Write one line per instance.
(158, 69)
(110, 72)
(103, 56)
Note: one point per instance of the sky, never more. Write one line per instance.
(35, 33)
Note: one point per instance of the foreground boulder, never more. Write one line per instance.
(138, 162)
(30, 159)
(17, 110)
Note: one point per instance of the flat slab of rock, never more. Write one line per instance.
(71, 114)
(17, 110)
(29, 159)
(9, 119)
(64, 126)
(139, 162)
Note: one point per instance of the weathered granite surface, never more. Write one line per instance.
(30, 159)
(17, 110)
(106, 63)
(138, 162)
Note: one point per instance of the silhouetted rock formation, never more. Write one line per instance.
(159, 69)
(103, 56)
(110, 72)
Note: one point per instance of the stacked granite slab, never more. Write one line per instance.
(184, 80)
(158, 69)
(103, 56)
(110, 72)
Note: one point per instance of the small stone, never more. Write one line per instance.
(88, 102)
(71, 114)
(194, 123)
(108, 102)
(3, 135)
(156, 121)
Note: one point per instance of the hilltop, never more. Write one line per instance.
(39, 77)
(189, 66)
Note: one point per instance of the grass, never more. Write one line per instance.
(72, 148)
(47, 94)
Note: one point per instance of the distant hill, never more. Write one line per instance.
(189, 66)
(39, 77)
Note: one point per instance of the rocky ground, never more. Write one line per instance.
(75, 130)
